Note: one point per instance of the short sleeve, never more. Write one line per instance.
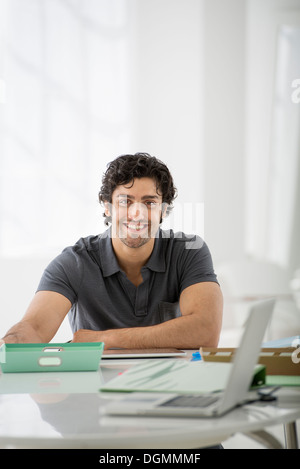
(63, 275)
(196, 266)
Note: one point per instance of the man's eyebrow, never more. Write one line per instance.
(144, 197)
(150, 197)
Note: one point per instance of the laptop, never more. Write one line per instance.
(212, 404)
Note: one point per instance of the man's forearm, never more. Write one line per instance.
(185, 332)
(21, 333)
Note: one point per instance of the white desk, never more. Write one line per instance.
(66, 410)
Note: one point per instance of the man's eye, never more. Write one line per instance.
(123, 202)
(127, 202)
(152, 204)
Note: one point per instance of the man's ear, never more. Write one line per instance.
(107, 209)
(164, 214)
(164, 208)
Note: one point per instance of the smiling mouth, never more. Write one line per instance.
(136, 227)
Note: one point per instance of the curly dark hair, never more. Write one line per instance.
(126, 168)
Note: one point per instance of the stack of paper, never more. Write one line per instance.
(176, 376)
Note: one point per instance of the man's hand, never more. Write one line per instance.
(86, 335)
(22, 332)
(9, 339)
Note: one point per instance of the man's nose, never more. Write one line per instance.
(136, 211)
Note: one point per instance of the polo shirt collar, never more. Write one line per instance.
(157, 261)
(109, 261)
(108, 258)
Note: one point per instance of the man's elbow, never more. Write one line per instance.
(211, 342)
(211, 337)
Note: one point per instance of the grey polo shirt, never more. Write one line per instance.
(102, 297)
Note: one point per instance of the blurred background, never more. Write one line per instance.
(211, 87)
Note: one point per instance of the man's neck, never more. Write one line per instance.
(131, 260)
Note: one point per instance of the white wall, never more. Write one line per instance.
(263, 23)
(224, 112)
(163, 63)
(168, 97)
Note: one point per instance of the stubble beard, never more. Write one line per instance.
(135, 240)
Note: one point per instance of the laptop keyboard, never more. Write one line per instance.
(190, 401)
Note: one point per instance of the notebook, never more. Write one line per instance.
(206, 404)
(143, 353)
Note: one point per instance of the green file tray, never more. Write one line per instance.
(22, 358)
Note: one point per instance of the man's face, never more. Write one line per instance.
(136, 211)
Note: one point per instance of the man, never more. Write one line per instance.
(135, 285)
